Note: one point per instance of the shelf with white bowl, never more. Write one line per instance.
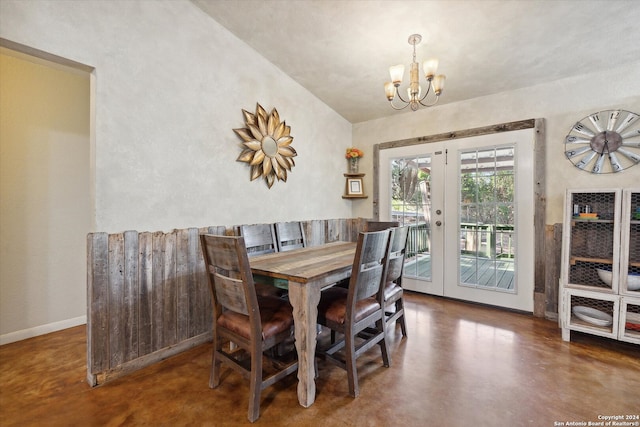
(600, 277)
(590, 312)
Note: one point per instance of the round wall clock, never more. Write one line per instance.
(604, 142)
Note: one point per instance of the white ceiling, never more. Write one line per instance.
(341, 50)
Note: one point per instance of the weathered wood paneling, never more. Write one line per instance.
(539, 214)
(169, 321)
(182, 285)
(553, 238)
(130, 315)
(145, 263)
(316, 232)
(115, 303)
(148, 296)
(157, 291)
(97, 304)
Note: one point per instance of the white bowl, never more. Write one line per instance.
(633, 280)
(605, 276)
(593, 316)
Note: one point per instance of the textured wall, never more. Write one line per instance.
(170, 84)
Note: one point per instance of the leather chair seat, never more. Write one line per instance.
(392, 291)
(275, 314)
(333, 305)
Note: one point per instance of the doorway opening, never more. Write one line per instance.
(46, 191)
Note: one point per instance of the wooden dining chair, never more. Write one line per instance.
(289, 236)
(259, 238)
(393, 292)
(253, 323)
(358, 311)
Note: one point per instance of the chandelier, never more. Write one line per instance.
(414, 91)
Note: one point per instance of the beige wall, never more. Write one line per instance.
(44, 197)
(560, 103)
(170, 86)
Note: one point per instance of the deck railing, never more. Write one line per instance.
(486, 240)
(419, 239)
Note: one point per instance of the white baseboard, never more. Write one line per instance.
(41, 330)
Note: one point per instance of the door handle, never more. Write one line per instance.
(438, 223)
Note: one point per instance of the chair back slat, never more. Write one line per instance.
(370, 264)
(397, 254)
(259, 238)
(369, 282)
(290, 235)
(380, 225)
(230, 294)
(229, 271)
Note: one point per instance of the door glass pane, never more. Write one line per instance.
(411, 205)
(487, 250)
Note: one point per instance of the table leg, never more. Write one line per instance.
(304, 300)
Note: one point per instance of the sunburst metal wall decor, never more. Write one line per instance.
(267, 145)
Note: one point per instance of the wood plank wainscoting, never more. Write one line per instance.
(147, 297)
(147, 294)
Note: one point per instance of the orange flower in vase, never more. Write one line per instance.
(353, 156)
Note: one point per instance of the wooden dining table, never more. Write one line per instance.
(308, 271)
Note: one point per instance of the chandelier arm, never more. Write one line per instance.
(432, 104)
(400, 96)
(426, 93)
(406, 104)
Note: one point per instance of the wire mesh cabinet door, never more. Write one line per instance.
(629, 328)
(630, 244)
(595, 313)
(591, 240)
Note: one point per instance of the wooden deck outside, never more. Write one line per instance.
(497, 273)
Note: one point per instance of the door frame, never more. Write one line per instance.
(539, 217)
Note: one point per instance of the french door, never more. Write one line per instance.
(469, 204)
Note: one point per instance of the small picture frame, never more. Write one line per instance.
(354, 187)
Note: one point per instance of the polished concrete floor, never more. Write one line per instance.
(462, 365)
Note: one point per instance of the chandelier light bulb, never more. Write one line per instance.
(430, 66)
(396, 72)
(390, 90)
(438, 83)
